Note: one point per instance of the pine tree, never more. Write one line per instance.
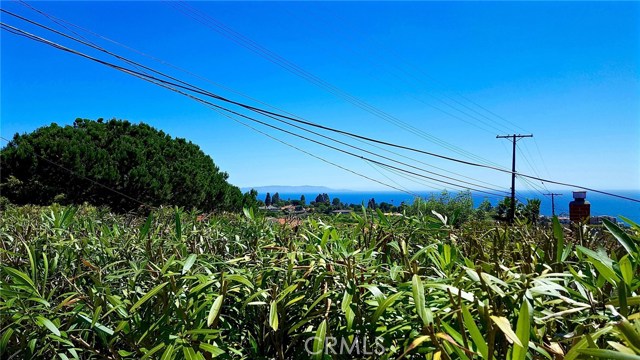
(137, 160)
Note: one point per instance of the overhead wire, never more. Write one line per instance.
(400, 60)
(478, 122)
(131, 72)
(533, 168)
(204, 92)
(246, 42)
(174, 86)
(59, 21)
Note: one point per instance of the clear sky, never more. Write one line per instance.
(568, 72)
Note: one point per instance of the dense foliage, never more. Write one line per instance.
(85, 283)
(133, 159)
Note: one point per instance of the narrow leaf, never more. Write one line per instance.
(189, 263)
(215, 310)
(318, 341)
(273, 315)
(48, 324)
(147, 296)
(503, 324)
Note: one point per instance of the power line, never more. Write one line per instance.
(251, 45)
(350, 47)
(58, 21)
(419, 79)
(190, 87)
(270, 115)
(168, 85)
(398, 59)
(147, 78)
(311, 154)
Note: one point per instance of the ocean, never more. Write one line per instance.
(600, 204)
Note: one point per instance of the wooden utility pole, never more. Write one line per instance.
(553, 204)
(514, 138)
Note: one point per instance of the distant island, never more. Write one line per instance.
(294, 189)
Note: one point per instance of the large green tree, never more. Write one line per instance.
(69, 164)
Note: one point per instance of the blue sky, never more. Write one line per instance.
(568, 72)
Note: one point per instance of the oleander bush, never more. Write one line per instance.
(85, 283)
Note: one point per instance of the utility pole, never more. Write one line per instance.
(553, 204)
(514, 138)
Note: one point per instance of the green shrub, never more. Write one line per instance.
(133, 159)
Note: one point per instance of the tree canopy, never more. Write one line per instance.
(133, 159)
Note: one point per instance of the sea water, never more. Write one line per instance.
(600, 204)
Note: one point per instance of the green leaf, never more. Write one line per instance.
(475, 333)
(523, 329)
(631, 223)
(319, 340)
(189, 353)
(96, 325)
(178, 226)
(168, 353)
(602, 263)
(239, 278)
(574, 352)
(215, 310)
(154, 350)
(211, 349)
(273, 315)
(315, 303)
(20, 277)
(622, 237)
(608, 354)
(375, 291)
(626, 268)
(5, 340)
(189, 263)
(559, 235)
(248, 213)
(414, 344)
(630, 332)
(32, 263)
(503, 324)
(384, 305)
(419, 300)
(147, 296)
(42, 321)
(144, 230)
(346, 300)
(622, 299)
(287, 291)
(293, 301)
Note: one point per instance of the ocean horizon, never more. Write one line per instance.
(601, 204)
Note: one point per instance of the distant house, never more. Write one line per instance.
(596, 220)
(342, 211)
(288, 208)
(393, 214)
(269, 208)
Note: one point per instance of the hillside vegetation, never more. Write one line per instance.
(87, 283)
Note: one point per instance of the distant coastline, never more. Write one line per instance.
(600, 204)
